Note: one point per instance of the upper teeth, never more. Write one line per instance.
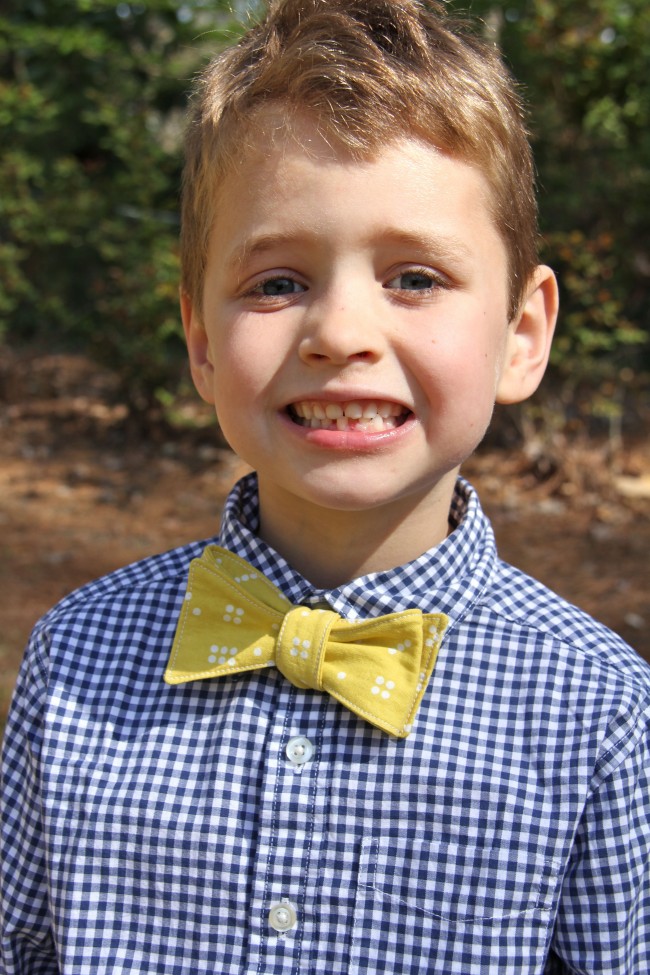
(369, 416)
(353, 409)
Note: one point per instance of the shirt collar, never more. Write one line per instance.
(447, 578)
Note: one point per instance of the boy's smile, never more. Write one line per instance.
(360, 416)
(354, 334)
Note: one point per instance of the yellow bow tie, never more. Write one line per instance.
(233, 619)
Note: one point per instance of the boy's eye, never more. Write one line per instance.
(414, 281)
(277, 287)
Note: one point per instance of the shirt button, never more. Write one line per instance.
(282, 916)
(300, 750)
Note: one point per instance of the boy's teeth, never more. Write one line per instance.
(333, 411)
(371, 416)
(354, 410)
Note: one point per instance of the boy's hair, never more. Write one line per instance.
(369, 72)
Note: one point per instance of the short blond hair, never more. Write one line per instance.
(370, 72)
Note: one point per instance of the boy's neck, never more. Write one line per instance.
(331, 547)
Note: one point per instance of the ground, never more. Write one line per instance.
(83, 491)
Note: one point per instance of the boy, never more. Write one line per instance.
(257, 767)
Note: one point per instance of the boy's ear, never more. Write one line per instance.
(198, 348)
(529, 339)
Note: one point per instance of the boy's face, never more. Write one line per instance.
(354, 332)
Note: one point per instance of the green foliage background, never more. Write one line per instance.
(92, 97)
(92, 94)
(585, 71)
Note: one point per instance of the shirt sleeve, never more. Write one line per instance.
(603, 924)
(26, 943)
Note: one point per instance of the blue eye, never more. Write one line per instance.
(278, 287)
(413, 281)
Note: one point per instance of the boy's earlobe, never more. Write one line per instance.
(529, 339)
(198, 348)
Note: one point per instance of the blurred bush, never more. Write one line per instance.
(92, 99)
(584, 68)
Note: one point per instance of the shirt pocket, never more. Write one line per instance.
(487, 904)
(457, 881)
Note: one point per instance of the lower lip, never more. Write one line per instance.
(355, 441)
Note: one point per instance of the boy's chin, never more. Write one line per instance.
(357, 496)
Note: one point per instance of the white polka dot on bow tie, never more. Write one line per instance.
(383, 687)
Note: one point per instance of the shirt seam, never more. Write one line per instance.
(638, 709)
(578, 648)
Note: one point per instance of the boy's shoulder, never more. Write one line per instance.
(154, 577)
(528, 603)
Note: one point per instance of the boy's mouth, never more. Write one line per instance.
(364, 416)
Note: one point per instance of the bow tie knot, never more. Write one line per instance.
(234, 620)
(300, 645)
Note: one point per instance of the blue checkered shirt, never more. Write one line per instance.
(243, 826)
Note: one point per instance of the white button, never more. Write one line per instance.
(282, 916)
(300, 750)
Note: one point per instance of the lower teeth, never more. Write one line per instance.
(376, 424)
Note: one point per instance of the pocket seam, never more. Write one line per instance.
(373, 885)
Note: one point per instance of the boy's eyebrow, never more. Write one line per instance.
(258, 245)
(449, 246)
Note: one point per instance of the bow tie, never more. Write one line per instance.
(234, 619)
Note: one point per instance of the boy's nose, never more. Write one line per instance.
(341, 331)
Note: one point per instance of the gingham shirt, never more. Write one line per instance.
(159, 829)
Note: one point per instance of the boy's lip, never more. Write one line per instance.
(368, 415)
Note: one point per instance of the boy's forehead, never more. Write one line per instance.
(278, 140)
(297, 186)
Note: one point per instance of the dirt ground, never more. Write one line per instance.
(81, 494)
